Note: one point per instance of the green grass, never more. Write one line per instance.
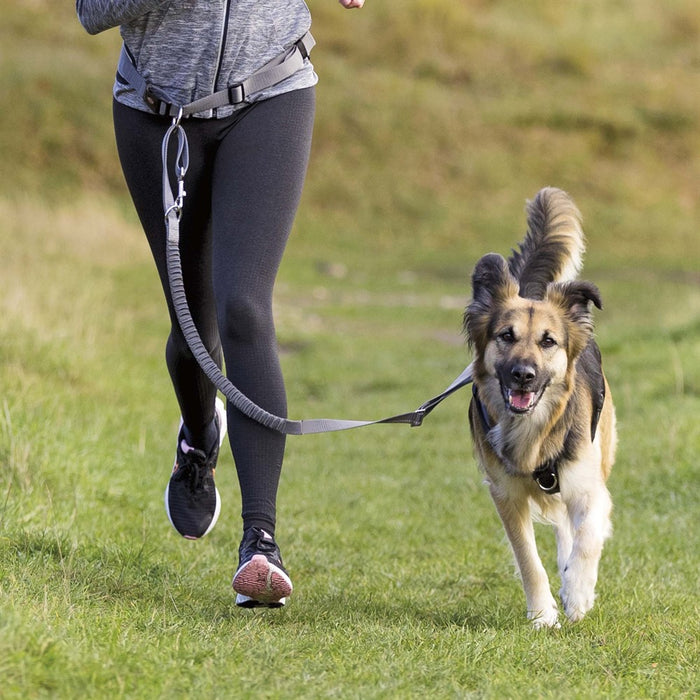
(436, 120)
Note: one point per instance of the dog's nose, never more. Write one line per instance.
(523, 373)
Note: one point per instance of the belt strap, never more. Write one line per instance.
(275, 71)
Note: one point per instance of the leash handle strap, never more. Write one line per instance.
(275, 71)
(414, 418)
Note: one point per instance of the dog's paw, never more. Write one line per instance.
(546, 618)
(576, 609)
(577, 596)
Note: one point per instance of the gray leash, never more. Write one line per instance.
(173, 199)
(172, 206)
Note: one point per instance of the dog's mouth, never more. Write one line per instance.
(520, 401)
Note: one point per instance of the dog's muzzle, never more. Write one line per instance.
(519, 388)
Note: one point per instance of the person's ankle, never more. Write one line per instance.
(203, 440)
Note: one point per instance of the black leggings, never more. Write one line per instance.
(243, 187)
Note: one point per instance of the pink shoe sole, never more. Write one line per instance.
(259, 581)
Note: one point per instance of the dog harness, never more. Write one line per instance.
(546, 474)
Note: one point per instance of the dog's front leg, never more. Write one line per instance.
(564, 538)
(517, 522)
(590, 518)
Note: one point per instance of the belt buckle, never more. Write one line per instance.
(236, 94)
(156, 104)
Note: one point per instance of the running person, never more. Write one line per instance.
(247, 164)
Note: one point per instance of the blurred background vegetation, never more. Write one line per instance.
(435, 117)
(436, 120)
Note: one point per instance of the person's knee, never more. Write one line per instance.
(245, 317)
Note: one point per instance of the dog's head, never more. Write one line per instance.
(523, 346)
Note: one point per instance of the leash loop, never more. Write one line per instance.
(173, 203)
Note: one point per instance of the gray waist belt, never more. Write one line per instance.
(282, 66)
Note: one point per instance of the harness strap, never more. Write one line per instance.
(275, 71)
(546, 474)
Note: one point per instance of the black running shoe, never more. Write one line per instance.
(261, 580)
(192, 500)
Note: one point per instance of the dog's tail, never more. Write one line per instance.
(554, 244)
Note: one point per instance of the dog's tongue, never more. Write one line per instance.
(521, 400)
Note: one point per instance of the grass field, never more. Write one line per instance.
(436, 120)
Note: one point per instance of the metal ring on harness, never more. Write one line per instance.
(547, 479)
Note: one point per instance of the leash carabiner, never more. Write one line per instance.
(172, 204)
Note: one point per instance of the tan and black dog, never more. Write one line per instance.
(541, 416)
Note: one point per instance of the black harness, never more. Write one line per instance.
(547, 474)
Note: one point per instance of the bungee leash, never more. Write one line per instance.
(281, 67)
(173, 199)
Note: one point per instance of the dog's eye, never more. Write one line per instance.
(507, 336)
(548, 342)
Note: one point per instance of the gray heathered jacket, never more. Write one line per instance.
(188, 49)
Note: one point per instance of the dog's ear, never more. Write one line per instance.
(492, 283)
(575, 298)
(491, 278)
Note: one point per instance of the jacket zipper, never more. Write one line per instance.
(222, 45)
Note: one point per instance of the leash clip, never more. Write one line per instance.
(417, 417)
(181, 193)
(182, 161)
(179, 200)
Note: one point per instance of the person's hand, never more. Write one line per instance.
(351, 3)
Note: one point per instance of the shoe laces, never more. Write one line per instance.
(193, 469)
(260, 541)
(265, 544)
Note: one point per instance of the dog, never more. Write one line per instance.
(541, 415)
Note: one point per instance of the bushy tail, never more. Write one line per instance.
(554, 244)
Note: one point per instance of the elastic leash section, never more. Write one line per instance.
(172, 207)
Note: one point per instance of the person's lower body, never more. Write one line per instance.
(243, 187)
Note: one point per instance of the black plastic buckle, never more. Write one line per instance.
(236, 94)
(417, 417)
(156, 104)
